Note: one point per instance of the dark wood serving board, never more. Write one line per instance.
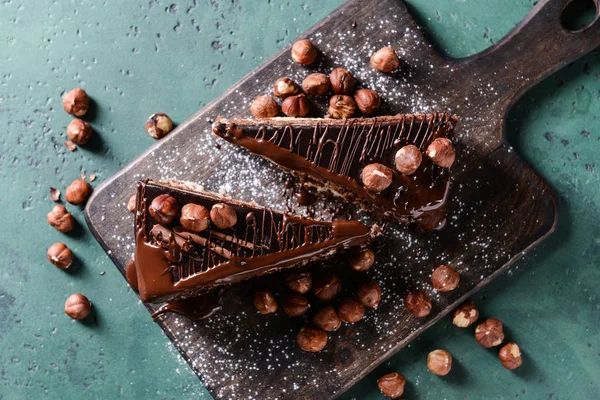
(499, 207)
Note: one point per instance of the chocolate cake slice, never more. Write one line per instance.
(188, 240)
(397, 166)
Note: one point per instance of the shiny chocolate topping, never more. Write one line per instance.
(172, 263)
(331, 153)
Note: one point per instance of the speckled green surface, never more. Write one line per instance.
(138, 57)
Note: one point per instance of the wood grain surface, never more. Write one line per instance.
(499, 207)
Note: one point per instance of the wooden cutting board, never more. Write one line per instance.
(499, 207)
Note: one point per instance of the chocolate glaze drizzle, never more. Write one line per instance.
(173, 263)
(331, 153)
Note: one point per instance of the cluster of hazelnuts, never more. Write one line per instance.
(340, 81)
(326, 289)
(488, 334)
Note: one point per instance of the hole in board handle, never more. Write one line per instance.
(579, 15)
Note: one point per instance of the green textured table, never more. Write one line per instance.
(135, 58)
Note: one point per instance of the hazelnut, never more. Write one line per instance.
(441, 152)
(316, 84)
(392, 385)
(489, 333)
(60, 219)
(465, 315)
(296, 106)
(327, 319)
(264, 107)
(327, 287)
(132, 203)
(304, 52)
(445, 279)
(264, 302)
(158, 125)
(510, 356)
(78, 191)
(76, 102)
(285, 87)
(369, 294)
(311, 339)
(439, 362)
(77, 306)
(79, 131)
(350, 310)
(194, 217)
(60, 255)
(341, 106)
(342, 81)
(164, 209)
(295, 305)
(408, 159)
(385, 60)
(299, 282)
(363, 260)
(223, 216)
(418, 303)
(377, 177)
(367, 100)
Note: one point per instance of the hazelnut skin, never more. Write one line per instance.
(132, 203)
(164, 209)
(377, 177)
(311, 339)
(342, 81)
(264, 107)
(408, 159)
(223, 216)
(327, 287)
(441, 152)
(341, 106)
(78, 191)
(295, 305)
(60, 255)
(60, 219)
(285, 87)
(265, 302)
(363, 260)
(194, 217)
(392, 385)
(489, 333)
(316, 84)
(350, 310)
(158, 125)
(465, 315)
(418, 303)
(77, 306)
(367, 100)
(369, 294)
(510, 356)
(299, 282)
(76, 102)
(79, 131)
(327, 319)
(385, 60)
(445, 279)
(439, 362)
(296, 106)
(304, 52)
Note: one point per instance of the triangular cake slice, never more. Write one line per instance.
(189, 240)
(398, 166)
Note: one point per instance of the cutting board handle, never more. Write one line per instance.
(538, 46)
